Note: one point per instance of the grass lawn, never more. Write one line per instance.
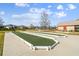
(35, 40)
(73, 33)
(1, 42)
(69, 33)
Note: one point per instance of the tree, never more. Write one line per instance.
(11, 27)
(1, 23)
(32, 26)
(45, 22)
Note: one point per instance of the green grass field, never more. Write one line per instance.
(1, 42)
(35, 40)
(68, 33)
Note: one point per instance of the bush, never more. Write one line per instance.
(70, 30)
(77, 30)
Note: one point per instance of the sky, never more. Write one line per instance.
(30, 13)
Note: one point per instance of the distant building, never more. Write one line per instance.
(69, 26)
(9, 26)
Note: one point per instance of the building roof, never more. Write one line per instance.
(75, 22)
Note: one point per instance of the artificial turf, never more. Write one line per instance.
(35, 40)
(1, 42)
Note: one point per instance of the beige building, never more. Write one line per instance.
(69, 26)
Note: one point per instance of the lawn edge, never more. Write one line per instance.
(3, 44)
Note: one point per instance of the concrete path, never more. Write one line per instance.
(13, 46)
(68, 46)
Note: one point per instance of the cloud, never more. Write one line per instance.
(40, 10)
(33, 13)
(49, 6)
(2, 13)
(60, 14)
(34, 10)
(26, 16)
(29, 18)
(60, 7)
(32, 16)
(22, 4)
(71, 7)
(49, 12)
(37, 10)
(15, 16)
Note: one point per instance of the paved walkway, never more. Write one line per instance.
(14, 46)
(68, 46)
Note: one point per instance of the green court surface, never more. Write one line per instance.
(35, 40)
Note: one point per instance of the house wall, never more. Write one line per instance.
(77, 28)
(70, 28)
(66, 28)
(61, 28)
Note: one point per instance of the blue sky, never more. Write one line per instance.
(29, 13)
